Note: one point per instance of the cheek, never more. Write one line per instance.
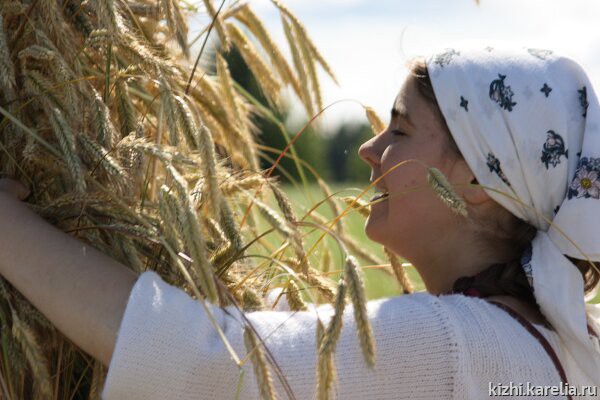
(404, 174)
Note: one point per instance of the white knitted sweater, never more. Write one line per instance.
(428, 347)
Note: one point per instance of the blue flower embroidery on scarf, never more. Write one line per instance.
(556, 209)
(526, 264)
(586, 183)
(583, 100)
(444, 58)
(553, 149)
(494, 164)
(464, 103)
(542, 54)
(502, 94)
(546, 89)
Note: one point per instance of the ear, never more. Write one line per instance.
(463, 176)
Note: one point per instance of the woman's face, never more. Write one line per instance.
(407, 222)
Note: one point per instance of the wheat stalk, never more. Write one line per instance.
(444, 191)
(98, 376)
(315, 279)
(231, 188)
(359, 205)
(359, 301)
(335, 209)
(167, 100)
(240, 127)
(246, 16)
(66, 140)
(376, 123)
(177, 24)
(26, 338)
(7, 69)
(294, 298)
(192, 235)
(38, 85)
(261, 368)
(296, 237)
(251, 301)
(125, 107)
(100, 156)
(299, 66)
(305, 38)
(218, 21)
(102, 124)
(269, 84)
(400, 272)
(168, 210)
(311, 70)
(326, 349)
(94, 87)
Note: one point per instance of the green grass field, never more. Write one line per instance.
(378, 283)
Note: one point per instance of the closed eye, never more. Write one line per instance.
(398, 133)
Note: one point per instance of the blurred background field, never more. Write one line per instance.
(377, 282)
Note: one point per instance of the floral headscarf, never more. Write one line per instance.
(527, 122)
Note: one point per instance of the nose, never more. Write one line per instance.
(368, 152)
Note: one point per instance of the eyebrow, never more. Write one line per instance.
(395, 113)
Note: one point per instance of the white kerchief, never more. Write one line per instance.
(527, 121)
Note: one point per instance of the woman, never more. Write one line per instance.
(505, 302)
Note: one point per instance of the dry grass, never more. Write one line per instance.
(96, 119)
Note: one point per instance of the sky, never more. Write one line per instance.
(367, 42)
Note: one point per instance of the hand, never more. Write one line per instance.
(14, 188)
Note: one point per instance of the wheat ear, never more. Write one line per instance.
(168, 102)
(268, 82)
(98, 376)
(252, 301)
(103, 126)
(376, 123)
(66, 140)
(304, 93)
(400, 272)
(7, 69)
(261, 368)
(294, 298)
(125, 107)
(255, 25)
(304, 37)
(240, 127)
(443, 189)
(359, 205)
(192, 234)
(359, 301)
(326, 350)
(26, 338)
(296, 237)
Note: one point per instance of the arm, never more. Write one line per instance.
(79, 289)
(167, 348)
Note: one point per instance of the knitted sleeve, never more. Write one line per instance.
(167, 348)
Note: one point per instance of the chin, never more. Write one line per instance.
(374, 231)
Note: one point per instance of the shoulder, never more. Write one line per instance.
(496, 346)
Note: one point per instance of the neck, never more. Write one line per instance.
(441, 268)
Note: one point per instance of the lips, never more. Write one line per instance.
(379, 196)
(380, 193)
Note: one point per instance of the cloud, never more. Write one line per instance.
(367, 42)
